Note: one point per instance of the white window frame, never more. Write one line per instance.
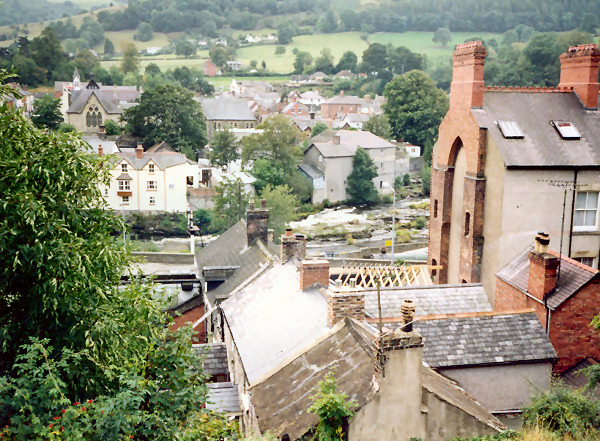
(124, 168)
(125, 200)
(585, 210)
(151, 185)
(124, 185)
(580, 260)
(150, 168)
(152, 200)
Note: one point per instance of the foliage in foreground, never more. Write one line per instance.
(332, 408)
(81, 357)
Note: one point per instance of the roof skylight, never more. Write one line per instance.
(566, 130)
(510, 129)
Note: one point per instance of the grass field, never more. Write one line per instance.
(337, 43)
(420, 42)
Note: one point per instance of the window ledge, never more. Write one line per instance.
(586, 232)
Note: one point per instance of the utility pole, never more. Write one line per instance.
(239, 199)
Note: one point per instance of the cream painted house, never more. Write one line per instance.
(156, 181)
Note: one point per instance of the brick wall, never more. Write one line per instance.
(570, 333)
(314, 271)
(345, 304)
(257, 222)
(190, 317)
(509, 298)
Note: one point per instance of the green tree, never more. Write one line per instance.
(46, 113)
(332, 409)
(112, 128)
(144, 32)
(324, 62)
(589, 23)
(282, 205)
(374, 59)
(224, 148)
(442, 36)
(219, 55)
(360, 188)
(415, 107)
(168, 113)
(406, 180)
(278, 143)
(203, 220)
(280, 50)
(302, 60)
(91, 31)
(69, 331)
(230, 203)
(109, 47)
(46, 51)
(378, 125)
(185, 48)
(267, 173)
(286, 30)
(86, 62)
(319, 128)
(131, 59)
(348, 61)
(152, 69)
(425, 176)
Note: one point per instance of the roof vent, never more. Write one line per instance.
(566, 130)
(510, 129)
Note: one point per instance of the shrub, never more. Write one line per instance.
(419, 222)
(403, 236)
(112, 128)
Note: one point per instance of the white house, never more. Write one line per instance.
(156, 181)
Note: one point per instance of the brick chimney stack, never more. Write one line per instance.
(542, 268)
(292, 245)
(257, 223)
(345, 301)
(579, 69)
(467, 85)
(314, 271)
(139, 151)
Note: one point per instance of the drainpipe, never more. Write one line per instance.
(572, 211)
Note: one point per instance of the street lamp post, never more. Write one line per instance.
(385, 184)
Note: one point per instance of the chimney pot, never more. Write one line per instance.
(263, 204)
(292, 245)
(352, 282)
(288, 231)
(408, 313)
(579, 69)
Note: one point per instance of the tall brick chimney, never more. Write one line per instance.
(139, 151)
(292, 245)
(579, 69)
(257, 223)
(466, 89)
(314, 271)
(542, 268)
(345, 301)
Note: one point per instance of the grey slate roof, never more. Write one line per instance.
(573, 277)
(575, 376)
(223, 397)
(484, 340)
(311, 171)
(230, 250)
(271, 319)
(429, 300)
(214, 358)
(164, 160)
(346, 99)
(350, 140)
(227, 109)
(542, 145)
(113, 99)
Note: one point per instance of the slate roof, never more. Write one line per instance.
(223, 397)
(542, 145)
(230, 250)
(484, 340)
(293, 104)
(164, 160)
(162, 146)
(227, 109)
(345, 99)
(575, 375)
(573, 277)
(310, 171)
(113, 99)
(214, 358)
(268, 319)
(429, 300)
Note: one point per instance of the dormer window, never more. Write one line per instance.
(510, 129)
(123, 168)
(150, 168)
(566, 130)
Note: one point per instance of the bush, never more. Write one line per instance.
(406, 180)
(66, 128)
(386, 198)
(112, 128)
(419, 222)
(426, 180)
(280, 50)
(403, 236)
